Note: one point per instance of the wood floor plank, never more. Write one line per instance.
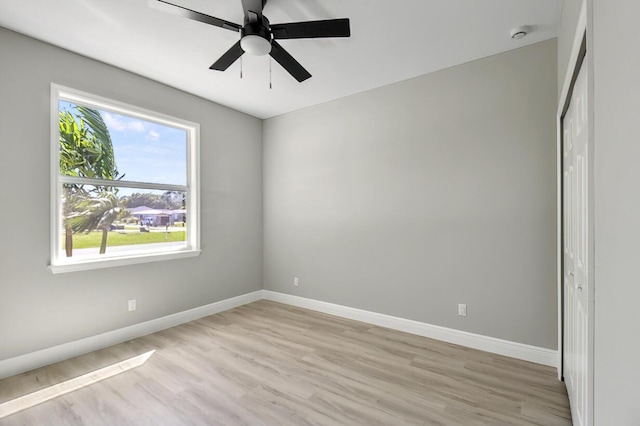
(273, 364)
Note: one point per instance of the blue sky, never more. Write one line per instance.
(145, 151)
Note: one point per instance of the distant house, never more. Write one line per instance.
(157, 217)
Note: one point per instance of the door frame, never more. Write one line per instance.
(581, 42)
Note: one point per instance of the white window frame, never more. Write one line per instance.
(60, 263)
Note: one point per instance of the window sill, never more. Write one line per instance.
(85, 265)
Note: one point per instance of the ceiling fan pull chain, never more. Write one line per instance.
(241, 67)
(270, 79)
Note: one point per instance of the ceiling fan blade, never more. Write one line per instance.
(174, 9)
(229, 57)
(312, 29)
(287, 61)
(253, 10)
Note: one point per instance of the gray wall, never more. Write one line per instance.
(566, 34)
(412, 198)
(38, 309)
(617, 205)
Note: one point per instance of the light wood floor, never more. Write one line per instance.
(267, 363)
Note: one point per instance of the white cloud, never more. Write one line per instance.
(115, 123)
(137, 126)
(153, 135)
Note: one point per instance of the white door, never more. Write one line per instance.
(576, 254)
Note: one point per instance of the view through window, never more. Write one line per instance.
(123, 187)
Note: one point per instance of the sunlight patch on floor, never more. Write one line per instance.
(27, 401)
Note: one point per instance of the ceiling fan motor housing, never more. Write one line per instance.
(256, 37)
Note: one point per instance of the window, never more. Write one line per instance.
(124, 184)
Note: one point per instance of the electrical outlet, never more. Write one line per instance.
(462, 309)
(132, 305)
(295, 281)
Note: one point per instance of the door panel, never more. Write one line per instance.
(576, 252)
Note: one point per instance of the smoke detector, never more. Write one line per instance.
(519, 32)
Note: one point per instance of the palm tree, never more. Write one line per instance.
(86, 150)
(72, 195)
(97, 212)
(75, 141)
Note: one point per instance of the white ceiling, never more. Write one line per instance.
(390, 41)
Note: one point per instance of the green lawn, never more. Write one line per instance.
(93, 239)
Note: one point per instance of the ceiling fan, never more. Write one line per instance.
(258, 36)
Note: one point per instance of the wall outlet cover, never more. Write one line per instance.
(462, 310)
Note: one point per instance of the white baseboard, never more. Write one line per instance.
(476, 341)
(37, 359)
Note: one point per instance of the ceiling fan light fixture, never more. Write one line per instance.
(255, 45)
